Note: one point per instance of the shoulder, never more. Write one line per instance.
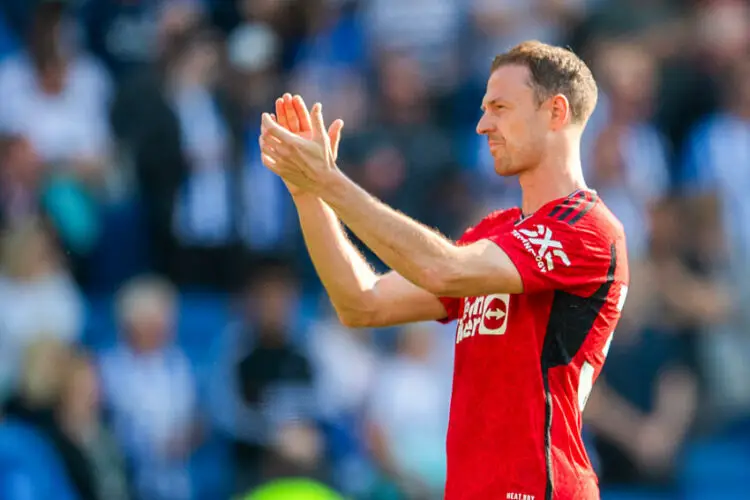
(490, 223)
(579, 228)
(582, 217)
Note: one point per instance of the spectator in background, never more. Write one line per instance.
(130, 36)
(20, 175)
(408, 416)
(150, 390)
(186, 141)
(37, 297)
(625, 157)
(32, 466)
(36, 404)
(60, 98)
(716, 177)
(426, 31)
(642, 417)
(40, 382)
(498, 26)
(60, 95)
(266, 219)
(401, 156)
(345, 363)
(58, 398)
(83, 439)
(264, 386)
(330, 63)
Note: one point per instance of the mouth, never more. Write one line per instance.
(494, 145)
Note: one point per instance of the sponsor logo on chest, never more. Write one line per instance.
(487, 315)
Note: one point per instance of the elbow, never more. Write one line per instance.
(359, 316)
(351, 319)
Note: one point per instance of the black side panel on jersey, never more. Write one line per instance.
(571, 319)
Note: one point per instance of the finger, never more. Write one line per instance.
(303, 115)
(265, 136)
(276, 148)
(264, 143)
(267, 160)
(334, 136)
(281, 113)
(271, 164)
(291, 114)
(271, 153)
(263, 127)
(276, 130)
(317, 122)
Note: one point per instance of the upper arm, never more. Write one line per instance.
(477, 269)
(394, 300)
(539, 255)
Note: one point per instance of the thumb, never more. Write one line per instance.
(317, 122)
(334, 136)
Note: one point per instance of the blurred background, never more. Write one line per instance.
(162, 332)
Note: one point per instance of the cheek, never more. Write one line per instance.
(514, 128)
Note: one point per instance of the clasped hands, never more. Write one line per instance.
(295, 145)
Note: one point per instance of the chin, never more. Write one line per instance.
(505, 169)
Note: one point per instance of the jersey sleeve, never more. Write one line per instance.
(551, 254)
(452, 308)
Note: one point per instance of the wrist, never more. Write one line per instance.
(303, 197)
(334, 190)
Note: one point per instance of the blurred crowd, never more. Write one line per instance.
(162, 332)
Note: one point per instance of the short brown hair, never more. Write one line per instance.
(554, 70)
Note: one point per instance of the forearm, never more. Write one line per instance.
(612, 417)
(415, 251)
(677, 398)
(344, 272)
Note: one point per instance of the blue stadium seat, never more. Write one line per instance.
(122, 250)
(716, 467)
(100, 331)
(636, 494)
(203, 318)
(211, 470)
(29, 468)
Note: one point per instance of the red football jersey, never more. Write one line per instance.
(525, 364)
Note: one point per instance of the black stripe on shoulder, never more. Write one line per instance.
(573, 205)
(559, 207)
(584, 210)
(565, 203)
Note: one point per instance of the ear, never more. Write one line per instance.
(560, 112)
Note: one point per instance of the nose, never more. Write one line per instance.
(484, 126)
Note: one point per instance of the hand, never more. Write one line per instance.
(308, 164)
(292, 114)
(654, 448)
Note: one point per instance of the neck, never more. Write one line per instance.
(557, 176)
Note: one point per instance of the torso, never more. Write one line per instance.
(524, 365)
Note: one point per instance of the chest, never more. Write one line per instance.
(501, 320)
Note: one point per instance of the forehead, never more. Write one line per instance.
(509, 83)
